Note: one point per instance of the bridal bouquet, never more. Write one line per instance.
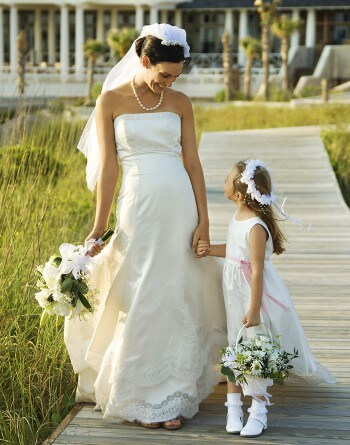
(64, 281)
(256, 363)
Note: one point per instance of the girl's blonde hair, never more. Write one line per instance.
(263, 183)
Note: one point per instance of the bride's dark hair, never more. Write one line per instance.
(152, 47)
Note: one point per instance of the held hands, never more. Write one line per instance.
(203, 249)
(251, 319)
(201, 234)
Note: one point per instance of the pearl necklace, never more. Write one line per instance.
(141, 104)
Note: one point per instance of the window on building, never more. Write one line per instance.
(71, 40)
(191, 22)
(211, 31)
(6, 31)
(45, 35)
(90, 24)
(171, 17)
(332, 28)
(57, 31)
(126, 19)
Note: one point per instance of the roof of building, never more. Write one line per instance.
(219, 4)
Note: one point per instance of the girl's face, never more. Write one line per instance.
(161, 76)
(229, 190)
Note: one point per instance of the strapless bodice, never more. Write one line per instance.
(142, 133)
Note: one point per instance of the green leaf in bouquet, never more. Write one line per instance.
(228, 373)
(85, 302)
(82, 286)
(75, 299)
(57, 260)
(67, 284)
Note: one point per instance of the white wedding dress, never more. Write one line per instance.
(150, 352)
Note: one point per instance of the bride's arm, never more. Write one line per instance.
(109, 170)
(194, 169)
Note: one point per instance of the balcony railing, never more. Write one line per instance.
(209, 63)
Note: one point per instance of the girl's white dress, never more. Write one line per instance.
(277, 310)
(150, 351)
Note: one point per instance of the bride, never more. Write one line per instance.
(149, 353)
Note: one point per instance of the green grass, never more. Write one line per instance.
(337, 143)
(230, 117)
(43, 203)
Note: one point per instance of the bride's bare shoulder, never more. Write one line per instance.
(180, 101)
(111, 100)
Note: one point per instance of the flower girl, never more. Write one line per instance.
(254, 292)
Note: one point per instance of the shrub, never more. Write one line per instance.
(337, 143)
(96, 90)
(236, 95)
(310, 91)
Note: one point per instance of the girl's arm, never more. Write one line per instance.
(194, 169)
(109, 170)
(257, 241)
(204, 249)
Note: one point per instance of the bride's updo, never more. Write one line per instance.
(152, 47)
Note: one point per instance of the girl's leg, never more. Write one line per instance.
(257, 420)
(234, 423)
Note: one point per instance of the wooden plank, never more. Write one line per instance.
(316, 269)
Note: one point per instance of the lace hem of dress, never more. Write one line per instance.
(320, 375)
(177, 404)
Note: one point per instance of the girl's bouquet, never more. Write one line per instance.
(64, 281)
(256, 363)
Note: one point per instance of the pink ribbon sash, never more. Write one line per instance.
(246, 268)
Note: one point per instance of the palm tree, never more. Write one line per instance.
(283, 28)
(22, 48)
(253, 49)
(227, 64)
(267, 10)
(92, 50)
(120, 40)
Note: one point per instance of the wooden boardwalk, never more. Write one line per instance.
(316, 268)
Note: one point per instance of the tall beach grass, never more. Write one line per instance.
(43, 203)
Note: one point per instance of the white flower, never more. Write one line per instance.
(79, 310)
(61, 309)
(247, 177)
(247, 355)
(256, 367)
(50, 274)
(42, 297)
(274, 356)
(258, 342)
(60, 297)
(73, 260)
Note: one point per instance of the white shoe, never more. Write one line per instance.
(234, 422)
(257, 420)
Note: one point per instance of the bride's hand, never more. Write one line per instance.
(201, 233)
(95, 249)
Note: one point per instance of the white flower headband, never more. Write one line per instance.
(247, 178)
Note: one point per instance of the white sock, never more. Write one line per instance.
(258, 407)
(233, 398)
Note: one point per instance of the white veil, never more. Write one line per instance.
(121, 73)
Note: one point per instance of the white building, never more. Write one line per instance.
(56, 30)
